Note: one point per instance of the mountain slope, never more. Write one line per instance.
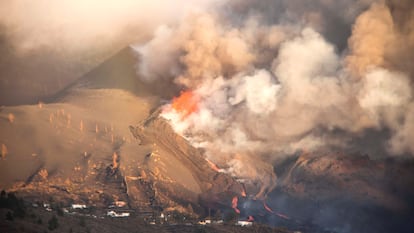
(79, 148)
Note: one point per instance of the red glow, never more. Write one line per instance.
(186, 103)
(243, 192)
(282, 216)
(213, 166)
(268, 208)
(275, 213)
(234, 203)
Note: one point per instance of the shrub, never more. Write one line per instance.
(82, 222)
(9, 216)
(53, 223)
(59, 211)
(13, 203)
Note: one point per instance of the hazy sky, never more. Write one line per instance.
(46, 44)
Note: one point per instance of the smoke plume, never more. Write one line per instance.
(47, 44)
(272, 78)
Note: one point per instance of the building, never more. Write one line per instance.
(114, 214)
(244, 223)
(78, 206)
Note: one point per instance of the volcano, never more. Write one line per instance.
(102, 140)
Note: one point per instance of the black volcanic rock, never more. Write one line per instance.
(342, 192)
(325, 175)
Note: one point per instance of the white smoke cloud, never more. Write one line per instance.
(85, 24)
(270, 88)
(159, 59)
(383, 90)
(258, 91)
(47, 44)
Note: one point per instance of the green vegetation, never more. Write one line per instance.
(201, 230)
(59, 211)
(53, 223)
(82, 222)
(178, 217)
(9, 216)
(40, 220)
(231, 218)
(10, 201)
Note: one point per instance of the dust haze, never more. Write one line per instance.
(46, 45)
(274, 93)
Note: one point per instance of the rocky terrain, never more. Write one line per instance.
(100, 141)
(86, 149)
(346, 192)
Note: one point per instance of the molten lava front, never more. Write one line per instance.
(268, 209)
(234, 203)
(186, 103)
(213, 165)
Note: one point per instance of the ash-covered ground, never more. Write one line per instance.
(103, 140)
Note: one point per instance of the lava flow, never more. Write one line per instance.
(250, 218)
(234, 203)
(243, 192)
(213, 165)
(186, 103)
(275, 213)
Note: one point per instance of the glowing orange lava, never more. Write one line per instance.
(213, 166)
(283, 216)
(243, 192)
(234, 203)
(275, 213)
(267, 208)
(186, 103)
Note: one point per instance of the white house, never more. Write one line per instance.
(244, 223)
(114, 214)
(78, 206)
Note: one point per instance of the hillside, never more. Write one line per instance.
(79, 149)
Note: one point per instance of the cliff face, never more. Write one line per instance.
(181, 174)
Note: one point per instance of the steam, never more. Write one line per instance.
(270, 85)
